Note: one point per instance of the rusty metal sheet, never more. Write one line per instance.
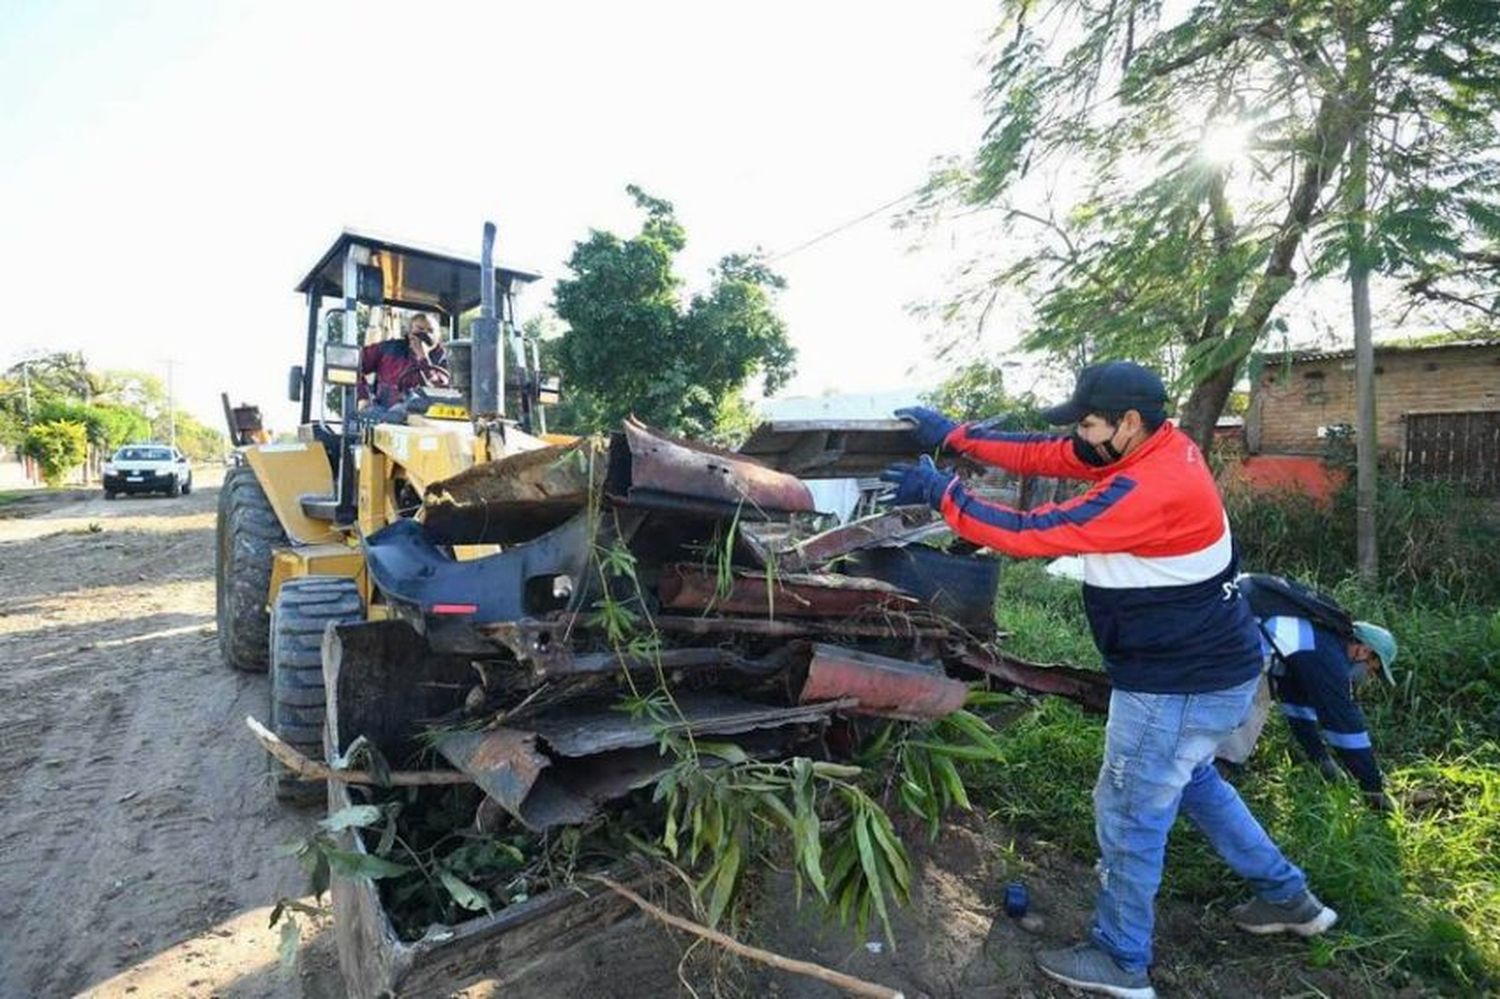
(561, 769)
(580, 733)
(881, 528)
(832, 449)
(514, 498)
(895, 626)
(649, 469)
(1089, 689)
(692, 587)
(891, 688)
(504, 762)
(665, 659)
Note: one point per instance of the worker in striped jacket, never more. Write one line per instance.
(1177, 638)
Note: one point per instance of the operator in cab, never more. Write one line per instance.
(399, 366)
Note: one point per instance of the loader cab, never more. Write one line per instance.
(357, 292)
(380, 282)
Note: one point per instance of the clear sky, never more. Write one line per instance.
(168, 171)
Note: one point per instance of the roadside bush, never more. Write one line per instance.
(1438, 544)
(57, 447)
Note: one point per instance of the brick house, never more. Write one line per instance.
(1437, 407)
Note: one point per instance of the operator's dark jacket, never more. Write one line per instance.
(396, 371)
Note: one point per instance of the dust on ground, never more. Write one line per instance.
(137, 845)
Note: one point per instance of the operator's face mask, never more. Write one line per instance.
(1097, 444)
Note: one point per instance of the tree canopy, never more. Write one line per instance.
(1167, 185)
(110, 408)
(633, 346)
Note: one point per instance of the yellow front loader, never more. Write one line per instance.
(294, 517)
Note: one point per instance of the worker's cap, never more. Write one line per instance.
(1112, 387)
(1382, 643)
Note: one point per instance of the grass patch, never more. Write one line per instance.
(1418, 891)
(9, 496)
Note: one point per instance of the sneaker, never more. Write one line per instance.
(1303, 915)
(1084, 966)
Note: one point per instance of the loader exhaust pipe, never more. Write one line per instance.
(485, 359)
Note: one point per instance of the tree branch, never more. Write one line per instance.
(308, 769)
(837, 979)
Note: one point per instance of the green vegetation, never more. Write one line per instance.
(1419, 890)
(112, 407)
(1438, 545)
(635, 344)
(1204, 151)
(57, 447)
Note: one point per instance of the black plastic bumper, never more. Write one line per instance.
(145, 484)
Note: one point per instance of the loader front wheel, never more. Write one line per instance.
(303, 610)
(247, 535)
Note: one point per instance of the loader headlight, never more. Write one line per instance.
(340, 364)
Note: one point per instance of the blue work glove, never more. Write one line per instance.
(918, 482)
(930, 426)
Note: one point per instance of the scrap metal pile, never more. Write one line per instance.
(695, 581)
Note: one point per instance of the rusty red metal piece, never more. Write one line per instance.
(891, 688)
(649, 469)
(691, 587)
(1087, 688)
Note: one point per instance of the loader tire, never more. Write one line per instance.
(247, 535)
(303, 610)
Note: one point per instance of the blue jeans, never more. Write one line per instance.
(1158, 756)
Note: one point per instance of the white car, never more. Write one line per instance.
(147, 468)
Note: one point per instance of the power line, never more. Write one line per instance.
(843, 225)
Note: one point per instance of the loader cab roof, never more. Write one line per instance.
(415, 277)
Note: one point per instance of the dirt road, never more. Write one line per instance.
(137, 838)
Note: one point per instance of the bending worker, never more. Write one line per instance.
(1177, 638)
(1313, 674)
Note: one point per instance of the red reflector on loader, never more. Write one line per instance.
(454, 608)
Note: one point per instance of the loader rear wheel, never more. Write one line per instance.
(248, 534)
(303, 610)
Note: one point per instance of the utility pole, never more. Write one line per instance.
(171, 406)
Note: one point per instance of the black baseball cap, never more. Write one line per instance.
(1112, 387)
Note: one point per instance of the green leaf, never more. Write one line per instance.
(726, 874)
(387, 838)
(836, 771)
(352, 864)
(874, 880)
(354, 816)
(809, 849)
(954, 784)
(669, 834)
(465, 894)
(895, 853)
(726, 751)
(962, 752)
(286, 950)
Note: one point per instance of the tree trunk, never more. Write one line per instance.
(1206, 401)
(1366, 439)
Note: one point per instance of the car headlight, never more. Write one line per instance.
(109, 468)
